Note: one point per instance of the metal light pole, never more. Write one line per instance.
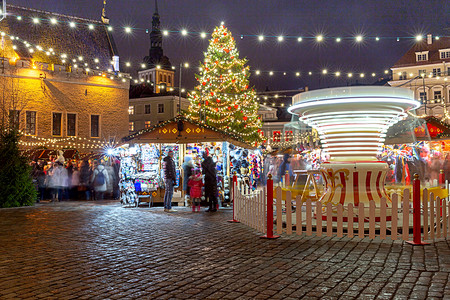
(179, 93)
(425, 94)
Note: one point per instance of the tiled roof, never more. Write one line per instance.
(409, 58)
(75, 42)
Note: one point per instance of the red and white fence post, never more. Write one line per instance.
(441, 177)
(417, 227)
(269, 234)
(233, 187)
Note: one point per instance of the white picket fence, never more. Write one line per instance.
(292, 216)
(250, 206)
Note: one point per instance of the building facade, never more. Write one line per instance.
(56, 89)
(149, 111)
(425, 69)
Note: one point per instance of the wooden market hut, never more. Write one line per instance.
(181, 130)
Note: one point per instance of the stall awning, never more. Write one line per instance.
(184, 131)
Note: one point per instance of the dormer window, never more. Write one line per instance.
(444, 53)
(422, 56)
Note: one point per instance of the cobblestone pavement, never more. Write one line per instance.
(98, 250)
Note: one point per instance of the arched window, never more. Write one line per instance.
(165, 78)
(160, 77)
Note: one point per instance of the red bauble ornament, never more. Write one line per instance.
(246, 87)
(224, 33)
(206, 102)
(206, 69)
(199, 104)
(216, 40)
(216, 62)
(207, 79)
(226, 50)
(233, 81)
(236, 106)
(229, 107)
(204, 83)
(212, 93)
(245, 118)
(218, 100)
(217, 109)
(232, 57)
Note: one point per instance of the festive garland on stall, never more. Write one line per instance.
(182, 118)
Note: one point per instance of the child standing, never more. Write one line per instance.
(195, 183)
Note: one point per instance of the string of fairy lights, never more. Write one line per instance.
(184, 32)
(64, 143)
(77, 62)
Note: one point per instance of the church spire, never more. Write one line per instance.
(105, 19)
(156, 54)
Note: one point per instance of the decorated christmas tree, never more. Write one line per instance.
(223, 98)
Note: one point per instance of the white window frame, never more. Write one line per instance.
(422, 54)
(444, 53)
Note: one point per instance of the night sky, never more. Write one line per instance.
(332, 18)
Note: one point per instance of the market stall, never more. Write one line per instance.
(141, 157)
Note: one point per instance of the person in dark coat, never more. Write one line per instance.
(85, 178)
(169, 180)
(209, 170)
(286, 166)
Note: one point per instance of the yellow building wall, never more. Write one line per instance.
(68, 92)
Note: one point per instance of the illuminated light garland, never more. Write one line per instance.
(64, 59)
(259, 37)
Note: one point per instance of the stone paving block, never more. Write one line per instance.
(98, 250)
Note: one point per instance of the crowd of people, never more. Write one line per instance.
(59, 180)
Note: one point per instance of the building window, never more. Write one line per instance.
(71, 124)
(437, 95)
(445, 54)
(147, 108)
(277, 136)
(448, 71)
(422, 73)
(30, 123)
(169, 78)
(160, 108)
(57, 124)
(160, 77)
(131, 126)
(148, 124)
(402, 76)
(165, 78)
(423, 96)
(95, 126)
(422, 57)
(150, 77)
(436, 72)
(131, 110)
(14, 118)
(288, 135)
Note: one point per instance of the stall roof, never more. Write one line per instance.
(184, 131)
